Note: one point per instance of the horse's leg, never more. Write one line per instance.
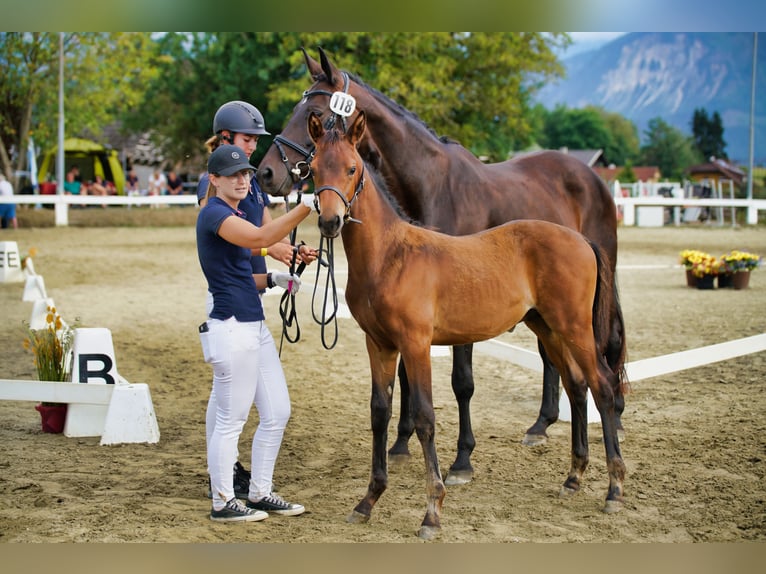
(400, 452)
(419, 369)
(383, 371)
(549, 408)
(461, 471)
(578, 398)
(606, 404)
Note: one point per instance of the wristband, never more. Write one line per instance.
(264, 251)
(269, 281)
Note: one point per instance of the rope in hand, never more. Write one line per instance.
(287, 303)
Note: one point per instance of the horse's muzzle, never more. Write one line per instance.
(330, 225)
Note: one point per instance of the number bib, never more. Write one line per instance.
(342, 104)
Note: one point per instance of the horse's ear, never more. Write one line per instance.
(356, 131)
(315, 127)
(329, 70)
(315, 70)
(369, 153)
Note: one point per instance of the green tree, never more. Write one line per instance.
(104, 75)
(668, 148)
(626, 174)
(576, 128)
(474, 87)
(708, 134)
(624, 145)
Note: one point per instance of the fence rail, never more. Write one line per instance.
(629, 205)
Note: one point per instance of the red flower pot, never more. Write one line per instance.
(53, 417)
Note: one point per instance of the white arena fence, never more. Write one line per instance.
(630, 206)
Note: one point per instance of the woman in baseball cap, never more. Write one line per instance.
(238, 344)
(241, 123)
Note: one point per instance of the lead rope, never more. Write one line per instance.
(329, 290)
(287, 302)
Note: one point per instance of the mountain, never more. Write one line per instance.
(644, 75)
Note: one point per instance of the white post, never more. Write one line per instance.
(61, 209)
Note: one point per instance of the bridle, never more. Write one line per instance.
(348, 203)
(300, 172)
(302, 169)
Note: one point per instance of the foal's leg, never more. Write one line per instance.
(400, 452)
(549, 408)
(461, 471)
(419, 368)
(383, 370)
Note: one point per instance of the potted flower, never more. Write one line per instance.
(701, 268)
(51, 347)
(740, 264)
(687, 258)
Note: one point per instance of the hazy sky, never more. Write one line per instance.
(583, 41)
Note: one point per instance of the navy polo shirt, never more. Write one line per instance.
(253, 205)
(227, 267)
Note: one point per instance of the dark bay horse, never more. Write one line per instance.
(410, 287)
(442, 185)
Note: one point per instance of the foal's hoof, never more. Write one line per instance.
(566, 492)
(428, 532)
(357, 518)
(455, 477)
(612, 506)
(534, 439)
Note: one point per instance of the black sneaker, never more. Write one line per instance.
(235, 511)
(273, 504)
(241, 483)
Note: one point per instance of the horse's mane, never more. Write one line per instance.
(382, 185)
(400, 110)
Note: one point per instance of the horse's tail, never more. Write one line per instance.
(609, 334)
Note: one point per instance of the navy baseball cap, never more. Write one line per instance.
(228, 160)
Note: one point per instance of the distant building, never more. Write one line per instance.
(715, 171)
(645, 174)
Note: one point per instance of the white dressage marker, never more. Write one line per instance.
(10, 263)
(38, 318)
(101, 402)
(34, 288)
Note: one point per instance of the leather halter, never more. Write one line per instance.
(302, 169)
(348, 203)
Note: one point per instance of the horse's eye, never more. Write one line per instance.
(352, 171)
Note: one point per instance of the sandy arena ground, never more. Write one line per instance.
(695, 448)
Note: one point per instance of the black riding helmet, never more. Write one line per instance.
(239, 117)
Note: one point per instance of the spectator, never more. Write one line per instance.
(157, 184)
(71, 185)
(7, 210)
(99, 187)
(175, 185)
(131, 183)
